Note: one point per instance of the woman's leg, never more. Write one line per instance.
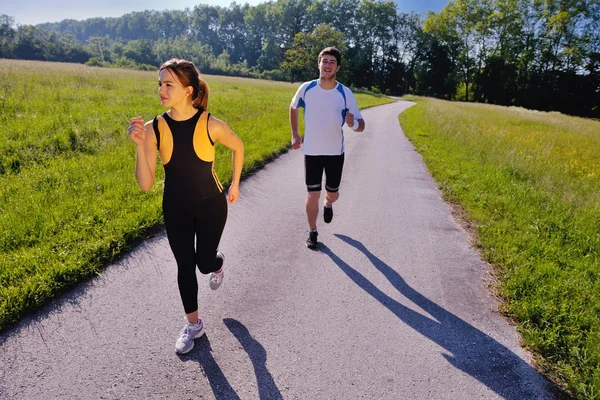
(180, 232)
(209, 225)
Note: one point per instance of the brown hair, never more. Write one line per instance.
(189, 75)
(331, 51)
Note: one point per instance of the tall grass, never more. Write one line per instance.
(69, 202)
(530, 181)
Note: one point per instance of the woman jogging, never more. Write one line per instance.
(194, 205)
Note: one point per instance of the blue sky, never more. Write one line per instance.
(38, 11)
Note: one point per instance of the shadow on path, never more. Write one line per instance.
(471, 350)
(202, 353)
(222, 389)
(267, 389)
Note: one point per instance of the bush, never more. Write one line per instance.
(275, 75)
(95, 62)
(124, 62)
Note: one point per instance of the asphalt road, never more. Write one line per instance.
(394, 305)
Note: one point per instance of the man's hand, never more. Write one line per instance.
(349, 119)
(296, 141)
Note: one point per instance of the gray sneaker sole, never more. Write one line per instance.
(184, 350)
(212, 285)
(215, 286)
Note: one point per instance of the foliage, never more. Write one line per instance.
(301, 59)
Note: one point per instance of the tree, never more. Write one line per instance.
(435, 70)
(270, 56)
(172, 23)
(7, 36)
(99, 46)
(184, 47)
(233, 31)
(292, 16)
(441, 47)
(375, 21)
(407, 48)
(205, 27)
(30, 42)
(222, 62)
(301, 59)
(140, 51)
(72, 50)
(258, 32)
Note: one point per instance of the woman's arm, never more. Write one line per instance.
(145, 151)
(220, 132)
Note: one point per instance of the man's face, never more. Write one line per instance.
(328, 67)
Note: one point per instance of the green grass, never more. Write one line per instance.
(530, 182)
(69, 202)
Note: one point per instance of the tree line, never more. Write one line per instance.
(540, 54)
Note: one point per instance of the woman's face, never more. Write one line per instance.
(171, 91)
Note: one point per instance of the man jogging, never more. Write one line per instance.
(327, 106)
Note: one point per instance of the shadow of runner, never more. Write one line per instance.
(472, 351)
(202, 353)
(267, 389)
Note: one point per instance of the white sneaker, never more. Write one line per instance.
(185, 342)
(216, 278)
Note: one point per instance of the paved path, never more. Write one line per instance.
(393, 306)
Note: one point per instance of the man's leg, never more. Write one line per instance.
(313, 175)
(330, 198)
(333, 177)
(312, 209)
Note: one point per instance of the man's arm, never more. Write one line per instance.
(296, 139)
(351, 121)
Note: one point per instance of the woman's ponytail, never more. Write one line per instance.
(200, 100)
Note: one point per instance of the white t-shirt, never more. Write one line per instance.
(324, 117)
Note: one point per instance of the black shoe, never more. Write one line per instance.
(327, 214)
(311, 242)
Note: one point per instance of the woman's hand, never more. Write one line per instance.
(233, 194)
(136, 130)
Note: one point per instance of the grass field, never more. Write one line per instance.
(69, 202)
(530, 183)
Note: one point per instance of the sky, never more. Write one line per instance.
(31, 12)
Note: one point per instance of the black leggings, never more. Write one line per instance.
(204, 221)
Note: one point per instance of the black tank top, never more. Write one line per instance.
(189, 173)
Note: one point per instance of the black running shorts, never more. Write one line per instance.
(314, 167)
